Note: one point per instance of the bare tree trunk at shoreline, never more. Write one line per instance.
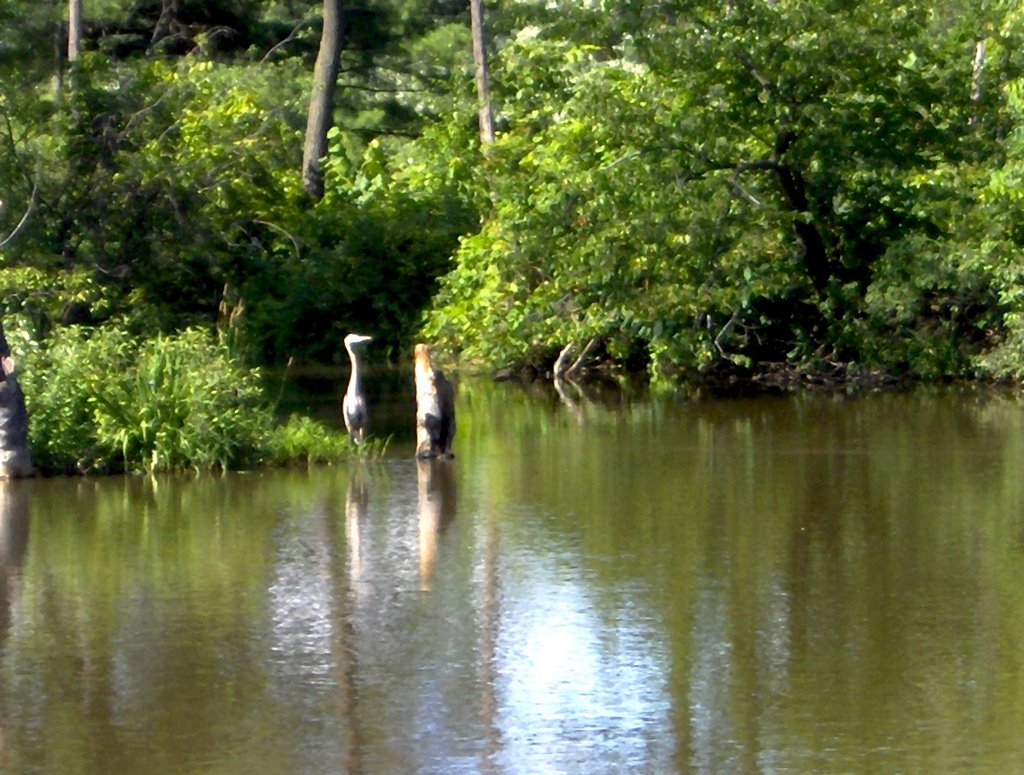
(483, 94)
(15, 457)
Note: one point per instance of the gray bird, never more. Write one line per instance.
(353, 405)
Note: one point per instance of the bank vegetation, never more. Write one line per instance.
(758, 191)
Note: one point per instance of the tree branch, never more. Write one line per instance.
(725, 330)
(280, 230)
(293, 35)
(24, 219)
(560, 366)
(583, 356)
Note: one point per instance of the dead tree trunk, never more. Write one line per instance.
(74, 30)
(321, 101)
(977, 75)
(435, 409)
(15, 457)
(483, 93)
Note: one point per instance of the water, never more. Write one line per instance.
(801, 584)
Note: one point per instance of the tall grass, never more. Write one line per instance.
(102, 401)
(304, 440)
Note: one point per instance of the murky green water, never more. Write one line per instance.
(757, 585)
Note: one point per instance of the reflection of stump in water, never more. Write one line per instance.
(436, 479)
(14, 509)
(14, 506)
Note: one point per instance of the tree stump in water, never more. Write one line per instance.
(435, 408)
(15, 457)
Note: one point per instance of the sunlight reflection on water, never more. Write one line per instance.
(575, 688)
(805, 585)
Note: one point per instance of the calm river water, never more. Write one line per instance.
(797, 584)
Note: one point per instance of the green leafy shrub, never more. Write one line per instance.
(101, 400)
(61, 380)
(302, 439)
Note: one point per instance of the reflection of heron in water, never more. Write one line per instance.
(356, 500)
(353, 405)
(436, 508)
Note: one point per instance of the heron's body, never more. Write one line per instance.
(353, 405)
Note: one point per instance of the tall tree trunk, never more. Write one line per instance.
(74, 30)
(976, 78)
(483, 94)
(321, 101)
(979, 68)
(816, 259)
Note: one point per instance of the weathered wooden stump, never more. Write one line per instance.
(435, 408)
(15, 457)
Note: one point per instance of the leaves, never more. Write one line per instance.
(107, 402)
(740, 184)
(692, 185)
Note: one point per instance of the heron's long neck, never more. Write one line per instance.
(353, 379)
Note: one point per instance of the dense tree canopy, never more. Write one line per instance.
(797, 182)
(684, 186)
(166, 180)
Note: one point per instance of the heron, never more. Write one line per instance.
(353, 405)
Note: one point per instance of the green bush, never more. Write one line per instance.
(61, 379)
(100, 400)
(302, 439)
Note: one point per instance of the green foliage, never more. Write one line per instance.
(106, 402)
(303, 440)
(103, 401)
(998, 247)
(60, 382)
(801, 182)
(599, 233)
(690, 186)
(43, 299)
(170, 172)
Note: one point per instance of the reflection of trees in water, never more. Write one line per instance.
(489, 626)
(301, 597)
(846, 557)
(341, 607)
(581, 684)
(308, 642)
(348, 586)
(781, 582)
(738, 653)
